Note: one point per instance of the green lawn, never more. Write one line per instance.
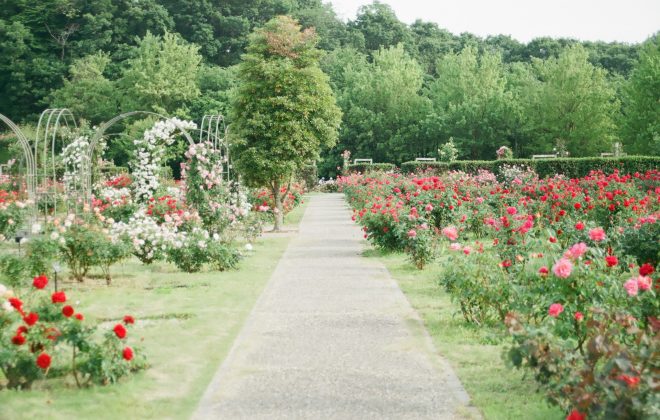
(475, 353)
(187, 323)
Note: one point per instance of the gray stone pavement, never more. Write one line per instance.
(333, 337)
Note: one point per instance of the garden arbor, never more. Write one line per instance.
(41, 171)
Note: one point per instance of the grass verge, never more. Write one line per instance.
(475, 353)
(186, 323)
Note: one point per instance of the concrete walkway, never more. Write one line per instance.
(332, 336)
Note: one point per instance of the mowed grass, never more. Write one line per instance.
(475, 353)
(186, 326)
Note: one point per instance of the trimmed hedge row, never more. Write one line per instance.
(370, 167)
(570, 167)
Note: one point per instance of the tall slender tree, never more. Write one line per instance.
(284, 111)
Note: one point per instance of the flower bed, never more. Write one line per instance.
(566, 266)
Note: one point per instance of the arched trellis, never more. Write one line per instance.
(51, 122)
(98, 136)
(214, 130)
(30, 181)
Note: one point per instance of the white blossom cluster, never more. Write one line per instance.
(149, 239)
(150, 152)
(5, 294)
(75, 157)
(115, 196)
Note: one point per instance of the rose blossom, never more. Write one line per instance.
(563, 268)
(67, 311)
(120, 331)
(511, 210)
(578, 316)
(555, 309)
(455, 246)
(412, 234)
(127, 354)
(597, 234)
(611, 260)
(576, 251)
(646, 269)
(450, 232)
(43, 361)
(631, 287)
(543, 271)
(40, 282)
(58, 297)
(644, 282)
(579, 226)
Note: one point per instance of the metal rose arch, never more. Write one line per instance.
(98, 136)
(213, 129)
(28, 159)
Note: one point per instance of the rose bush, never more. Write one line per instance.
(42, 336)
(568, 265)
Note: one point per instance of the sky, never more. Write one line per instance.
(629, 21)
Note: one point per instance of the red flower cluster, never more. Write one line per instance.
(40, 282)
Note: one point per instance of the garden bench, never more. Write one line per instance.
(551, 156)
(369, 161)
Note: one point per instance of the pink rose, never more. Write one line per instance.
(631, 287)
(455, 246)
(450, 232)
(429, 207)
(555, 309)
(597, 234)
(412, 233)
(511, 210)
(578, 316)
(576, 251)
(563, 268)
(644, 282)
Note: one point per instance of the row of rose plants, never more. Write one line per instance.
(566, 266)
(43, 336)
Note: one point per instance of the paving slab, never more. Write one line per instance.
(333, 337)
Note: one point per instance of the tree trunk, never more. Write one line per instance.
(279, 208)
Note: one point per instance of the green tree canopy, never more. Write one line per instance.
(641, 106)
(570, 102)
(470, 102)
(161, 76)
(284, 111)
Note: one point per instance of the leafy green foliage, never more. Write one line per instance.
(284, 111)
(641, 112)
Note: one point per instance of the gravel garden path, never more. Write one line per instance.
(333, 336)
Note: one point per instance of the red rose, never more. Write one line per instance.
(58, 297)
(631, 381)
(611, 260)
(543, 271)
(16, 304)
(67, 311)
(40, 282)
(578, 316)
(129, 320)
(646, 269)
(127, 354)
(31, 318)
(120, 331)
(43, 361)
(18, 339)
(79, 317)
(579, 226)
(21, 330)
(576, 415)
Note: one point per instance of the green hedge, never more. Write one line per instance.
(571, 167)
(370, 167)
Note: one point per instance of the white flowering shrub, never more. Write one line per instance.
(150, 241)
(75, 157)
(149, 155)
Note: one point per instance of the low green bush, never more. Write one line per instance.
(370, 167)
(570, 167)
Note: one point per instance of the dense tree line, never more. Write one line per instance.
(404, 90)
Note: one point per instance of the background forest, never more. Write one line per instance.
(404, 90)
